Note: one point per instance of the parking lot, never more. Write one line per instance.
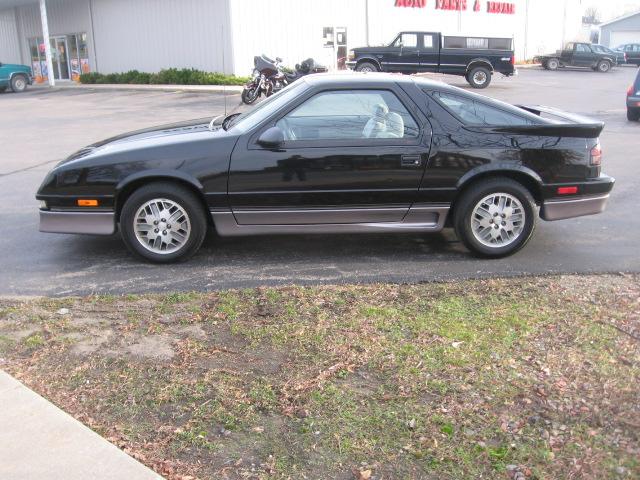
(40, 127)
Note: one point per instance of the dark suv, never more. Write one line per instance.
(633, 100)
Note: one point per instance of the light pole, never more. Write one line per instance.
(47, 42)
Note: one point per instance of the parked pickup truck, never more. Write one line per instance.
(577, 54)
(475, 58)
(15, 76)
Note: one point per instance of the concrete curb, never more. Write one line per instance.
(40, 441)
(233, 89)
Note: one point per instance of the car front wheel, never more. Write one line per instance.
(366, 67)
(163, 222)
(19, 83)
(604, 66)
(495, 218)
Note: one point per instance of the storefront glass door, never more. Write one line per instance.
(60, 58)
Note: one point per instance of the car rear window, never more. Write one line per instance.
(473, 111)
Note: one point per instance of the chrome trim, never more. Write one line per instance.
(93, 223)
(576, 207)
(419, 218)
(306, 216)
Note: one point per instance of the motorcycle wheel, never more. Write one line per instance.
(250, 95)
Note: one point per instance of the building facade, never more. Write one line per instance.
(224, 35)
(621, 31)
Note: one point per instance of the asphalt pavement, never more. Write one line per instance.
(42, 126)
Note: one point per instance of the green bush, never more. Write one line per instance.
(170, 76)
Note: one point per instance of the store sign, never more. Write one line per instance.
(451, 4)
(501, 7)
(411, 3)
(460, 5)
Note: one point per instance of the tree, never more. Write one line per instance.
(591, 16)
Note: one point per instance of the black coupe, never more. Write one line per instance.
(350, 153)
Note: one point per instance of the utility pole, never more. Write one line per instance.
(46, 41)
(366, 21)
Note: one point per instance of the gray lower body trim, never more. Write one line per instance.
(420, 218)
(305, 216)
(577, 207)
(93, 223)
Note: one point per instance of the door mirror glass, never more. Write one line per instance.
(271, 138)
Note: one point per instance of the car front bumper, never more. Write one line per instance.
(350, 64)
(92, 223)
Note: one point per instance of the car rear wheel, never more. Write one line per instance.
(604, 66)
(19, 83)
(495, 217)
(366, 67)
(479, 77)
(633, 114)
(163, 222)
(553, 64)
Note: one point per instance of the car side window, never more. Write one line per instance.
(427, 41)
(582, 48)
(409, 40)
(349, 115)
(472, 112)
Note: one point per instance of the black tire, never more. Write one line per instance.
(603, 66)
(250, 95)
(186, 200)
(553, 64)
(479, 77)
(464, 210)
(367, 67)
(19, 83)
(633, 114)
(545, 66)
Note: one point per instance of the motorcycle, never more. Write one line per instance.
(269, 77)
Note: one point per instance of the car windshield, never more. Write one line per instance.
(250, 119)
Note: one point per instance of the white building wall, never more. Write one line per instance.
(9, 39)
(292, 29)
(149, 35)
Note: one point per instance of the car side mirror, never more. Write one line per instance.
(271, 138)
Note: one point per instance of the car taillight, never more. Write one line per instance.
(631, 90)
(596, 155)
(513, 59)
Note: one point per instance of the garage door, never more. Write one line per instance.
(620, 38)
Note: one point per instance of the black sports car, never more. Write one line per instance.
(350, 153)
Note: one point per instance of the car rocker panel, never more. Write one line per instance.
(402, 155)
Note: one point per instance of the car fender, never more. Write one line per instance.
(369, 58)
(498, 168)
(161, 174)
(477, 61)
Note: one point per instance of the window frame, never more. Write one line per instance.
(404, 100)
(430, 94)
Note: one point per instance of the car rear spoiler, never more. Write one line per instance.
(568, 124)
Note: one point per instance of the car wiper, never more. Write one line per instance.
(227, 123)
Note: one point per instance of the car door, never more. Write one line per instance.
(583, 56)
(403, 54)
(4, 75)
(429, 52)
(349, 156)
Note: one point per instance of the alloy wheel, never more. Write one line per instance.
(497, 220)
(162, 226)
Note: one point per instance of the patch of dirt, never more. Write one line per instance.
(157, 347)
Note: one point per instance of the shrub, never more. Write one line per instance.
(170, 76)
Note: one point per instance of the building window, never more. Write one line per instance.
(69, 57)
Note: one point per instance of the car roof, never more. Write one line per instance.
(349, 78)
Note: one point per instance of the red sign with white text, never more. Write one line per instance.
(411, 3)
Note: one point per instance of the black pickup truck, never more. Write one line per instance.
(475, 58)
(578, 54)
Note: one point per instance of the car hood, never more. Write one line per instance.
(361, 50)
(15, 66)
(168, 133)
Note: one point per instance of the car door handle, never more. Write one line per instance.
(410, 161)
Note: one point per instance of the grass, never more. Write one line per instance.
(477, 379)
